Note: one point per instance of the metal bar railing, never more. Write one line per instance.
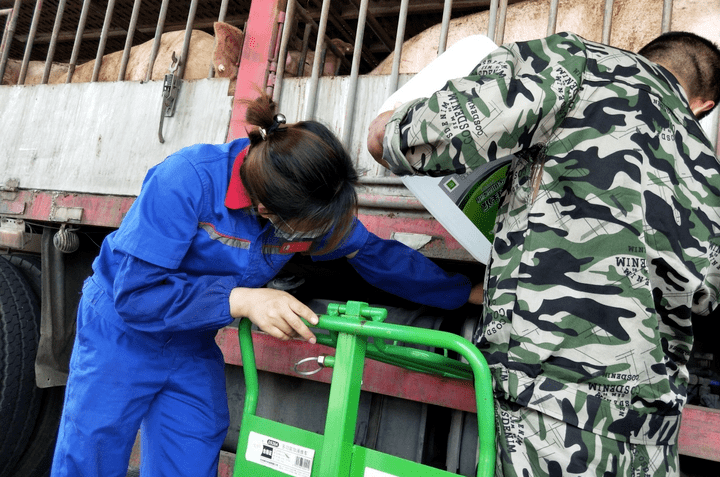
(311, 95)
(103, 40)
(30, 41)
(492, 18)
(399, 40)
(502, 16)
(284, 46)
(354, 74)
(607, 22)
(188, 36)
(552, 17)
(53, 41)
(8, 34)
(666, 16)
(78, 40)
(444, 27)
(158, 34)
(129, 39)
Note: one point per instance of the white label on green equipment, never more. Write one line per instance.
(376, 473)
(285, 457)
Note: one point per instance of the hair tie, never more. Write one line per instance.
(278, 119)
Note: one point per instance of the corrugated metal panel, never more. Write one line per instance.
(101, 138)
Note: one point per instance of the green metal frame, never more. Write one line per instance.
(334, 452)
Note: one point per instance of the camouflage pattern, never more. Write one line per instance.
(531, 444)
(606, 239)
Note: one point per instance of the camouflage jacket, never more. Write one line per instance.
(606, 239)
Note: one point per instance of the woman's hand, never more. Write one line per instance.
(476, 294)
(273, 311)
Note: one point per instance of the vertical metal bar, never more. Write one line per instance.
(312, 85)
(129, 40)
(78, 40)
(552, 18)
(275, 56)
(343, 404)
(666, 16)
(158, 35)
(221, 18)
(492, 18)
(399, 40)
(188, 35)
(282, 55)
(444, 27)
(8, 34)
(31, 40)
(354, 73)
(502, 15)
(303, 53)
(103, 40)
(53, 41)
(607, 22)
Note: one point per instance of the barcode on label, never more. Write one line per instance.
(304, 463)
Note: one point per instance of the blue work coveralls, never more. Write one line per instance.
(145, 354)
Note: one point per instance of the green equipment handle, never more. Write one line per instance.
(350, 325)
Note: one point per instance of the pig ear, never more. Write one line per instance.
(12, 72)
(343, 46)
(228, 46)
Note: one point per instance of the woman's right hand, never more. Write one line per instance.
(275, 312)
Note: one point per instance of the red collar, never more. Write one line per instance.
(237, 197)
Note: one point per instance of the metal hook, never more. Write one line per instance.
(322, 361)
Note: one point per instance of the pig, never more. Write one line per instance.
(35, 71)
(226, 57)
(197, 65)
(331, 60)
(634, 24)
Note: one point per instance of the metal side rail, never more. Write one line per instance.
(271, 449)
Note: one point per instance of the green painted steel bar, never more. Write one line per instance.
(410, 358)
(247, 352)
(439, 339)
(343, 404)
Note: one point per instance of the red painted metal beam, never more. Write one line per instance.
(700, 433)
(258, 50)
(52, 206)
(442, 245)
(279, 357)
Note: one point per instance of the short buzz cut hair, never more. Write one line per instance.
(696, 58)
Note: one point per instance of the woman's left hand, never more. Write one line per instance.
(477, 293)
(275, 312)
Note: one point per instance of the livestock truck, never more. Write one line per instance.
(73, 156)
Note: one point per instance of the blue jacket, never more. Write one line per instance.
(189, 239)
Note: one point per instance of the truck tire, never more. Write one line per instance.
(20, 399)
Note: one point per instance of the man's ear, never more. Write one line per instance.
(699, 106)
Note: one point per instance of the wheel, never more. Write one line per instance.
(19, 335)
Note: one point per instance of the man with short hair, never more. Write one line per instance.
(606, 239)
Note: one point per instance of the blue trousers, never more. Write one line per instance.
(172, 386)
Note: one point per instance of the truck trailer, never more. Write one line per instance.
(94, 94)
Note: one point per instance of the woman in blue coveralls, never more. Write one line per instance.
(211, 226)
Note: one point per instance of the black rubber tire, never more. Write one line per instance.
(20, 399)
(37, 458)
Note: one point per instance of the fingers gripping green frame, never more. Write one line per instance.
(271, 449)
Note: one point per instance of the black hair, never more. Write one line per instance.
(300, 172)
(691, 56)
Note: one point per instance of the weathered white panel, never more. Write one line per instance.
(102, 138)
(331, 110)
